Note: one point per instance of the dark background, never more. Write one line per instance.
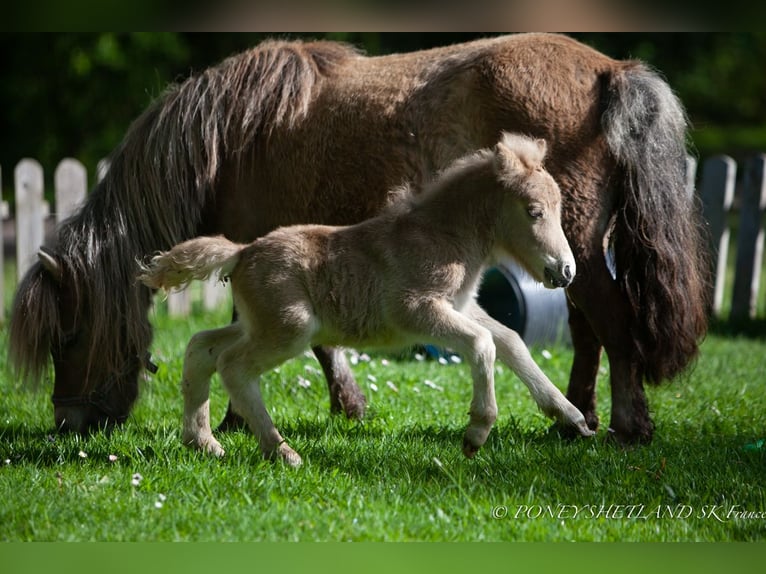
(74, 95)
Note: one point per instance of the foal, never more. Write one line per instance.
(408, 276)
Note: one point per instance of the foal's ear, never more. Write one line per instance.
(542, 145)
(50, 263)
(506, 160)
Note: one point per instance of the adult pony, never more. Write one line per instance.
(293, 132)
(406, 276)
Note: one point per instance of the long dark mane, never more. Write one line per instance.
(160, 180)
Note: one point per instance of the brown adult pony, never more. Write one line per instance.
(292, 132)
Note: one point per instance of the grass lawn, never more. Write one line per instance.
(399, 475)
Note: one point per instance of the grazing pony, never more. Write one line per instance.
(314, 132)
(406, 276)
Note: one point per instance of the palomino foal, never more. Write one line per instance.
(408, 276)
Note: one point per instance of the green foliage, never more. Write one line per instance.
(399, 475)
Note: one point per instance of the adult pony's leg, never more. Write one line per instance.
(513, 352)
(598, 298)
(345, 394)
(587, 359)
(200, 360)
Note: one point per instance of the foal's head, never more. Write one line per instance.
(530, 212)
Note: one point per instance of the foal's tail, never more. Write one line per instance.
(194, 259)
(659, 248)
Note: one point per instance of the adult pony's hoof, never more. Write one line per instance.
(628, 438)
(231, 421)
(469, 448)
(347, 397)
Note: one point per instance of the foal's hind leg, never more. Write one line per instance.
(345, 394)
(199, 365)
(240, 367)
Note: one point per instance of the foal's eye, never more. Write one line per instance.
(535, 212)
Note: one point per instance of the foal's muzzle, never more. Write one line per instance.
(561, 276)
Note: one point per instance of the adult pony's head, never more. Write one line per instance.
(530, 227)
(80, 304)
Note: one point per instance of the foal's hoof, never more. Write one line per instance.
(207, 445)
(569, 431)
(288, 456)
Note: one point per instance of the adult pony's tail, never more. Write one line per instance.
(658, 240)
(193, 259)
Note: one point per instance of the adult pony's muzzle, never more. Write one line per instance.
(560, 276)
(83, 419)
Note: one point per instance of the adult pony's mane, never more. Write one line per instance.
(160, 179)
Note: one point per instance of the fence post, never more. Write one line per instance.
(717, 193)
(750, 241)
(691, 174)
(70, 182)
(101, 168)
(179, 302)
(30, 213)
(214, 291)
(2, 251)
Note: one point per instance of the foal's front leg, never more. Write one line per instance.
(513, 352)
(439, 322)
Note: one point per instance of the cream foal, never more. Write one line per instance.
(408, 276)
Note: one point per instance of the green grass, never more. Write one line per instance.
(399, 475)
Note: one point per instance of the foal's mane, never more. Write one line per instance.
(161, 178)
(524, 151)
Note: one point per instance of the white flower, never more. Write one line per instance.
(392, 386)
(303, 383)
(546, 354)
(112, 458)
(136, 479)
(82, 454)
(432, 385)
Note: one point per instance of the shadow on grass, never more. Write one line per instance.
(513, 456)
(751, 328)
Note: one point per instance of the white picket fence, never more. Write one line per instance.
(34, 220)
(717, 186)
